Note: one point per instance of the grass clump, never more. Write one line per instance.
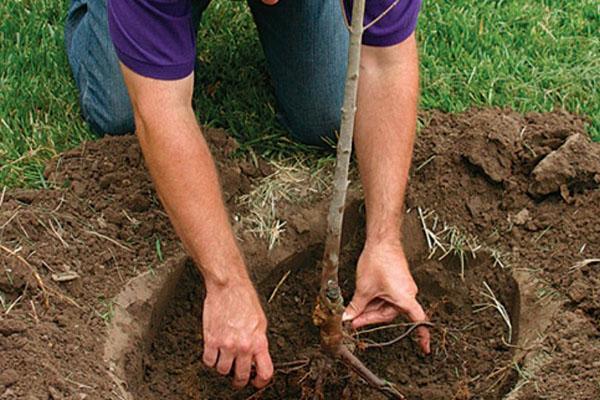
(530, 56)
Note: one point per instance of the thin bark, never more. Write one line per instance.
(330, 292)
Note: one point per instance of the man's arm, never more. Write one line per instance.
(187, 183)
(385, 131)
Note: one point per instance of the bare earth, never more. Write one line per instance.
(99, 302)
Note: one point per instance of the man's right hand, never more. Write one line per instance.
(183, 171)
(235, 333)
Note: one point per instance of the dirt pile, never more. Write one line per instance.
(529, 187)
(526, 186)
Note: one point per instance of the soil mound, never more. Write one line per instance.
(526, 186)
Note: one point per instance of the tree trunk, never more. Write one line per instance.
(330, 305)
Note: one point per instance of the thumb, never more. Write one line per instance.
(355, 308)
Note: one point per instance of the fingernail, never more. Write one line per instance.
(346, 317)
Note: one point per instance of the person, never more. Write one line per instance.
(133, 63)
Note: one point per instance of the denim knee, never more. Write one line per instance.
(316, 127)
(105, 120)
(103, 96)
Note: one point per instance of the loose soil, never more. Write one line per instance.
(468, 344)
(526, 186)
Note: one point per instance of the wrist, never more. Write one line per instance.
(383, 236)
(223, 270)
(383, 242)
(216, 283)
(383, 224)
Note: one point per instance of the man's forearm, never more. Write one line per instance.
(385, 131)
(187, 182)
(233, 323)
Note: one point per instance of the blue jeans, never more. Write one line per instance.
(305, 44)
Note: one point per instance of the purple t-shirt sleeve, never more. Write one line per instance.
(397, 25)
(154, 38)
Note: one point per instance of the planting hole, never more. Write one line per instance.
(470, 354)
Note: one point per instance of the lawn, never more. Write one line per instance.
(527, 55)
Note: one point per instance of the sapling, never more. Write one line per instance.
(330, 304)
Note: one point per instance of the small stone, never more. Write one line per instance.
(8, 377)
(65, 276)
(522, 217)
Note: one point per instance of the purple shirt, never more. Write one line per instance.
(156, 39)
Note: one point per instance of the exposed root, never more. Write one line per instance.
(386, 388)
(318, 392)
(287, 368)
(389, 326)
(408, 331)
(258, 393)
(318, 366)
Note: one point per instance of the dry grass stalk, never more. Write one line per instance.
(32, 270)
(281, 281)
(293, 182)
(496, 304)
(56, 232)
(113, 241)
(2, 196)
(584, 263)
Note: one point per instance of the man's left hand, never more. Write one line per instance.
(384, 289)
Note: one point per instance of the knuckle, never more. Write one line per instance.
(228, 344)
(244, 346)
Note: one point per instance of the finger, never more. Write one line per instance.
(225, 361)
(356, 307)
(264, 369)
(270, 2)
(416, 314)
(243, 365)
(384, 314)
(209, 357)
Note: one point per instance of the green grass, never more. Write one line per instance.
(528, 55)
